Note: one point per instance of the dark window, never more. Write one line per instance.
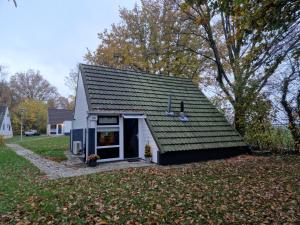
(107, 153)
(107, 138)
(53, 126)
(108, 120)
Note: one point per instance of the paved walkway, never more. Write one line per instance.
(71, 167)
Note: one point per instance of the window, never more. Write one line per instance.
(108, 137)
(53, 126)
(3, 127)
(108, 120)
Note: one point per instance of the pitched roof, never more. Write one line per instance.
(2, 113)
(56, 116)
(110, 89)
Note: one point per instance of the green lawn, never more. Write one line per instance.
(249, 190)
(49, 147)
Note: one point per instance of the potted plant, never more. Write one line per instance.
(148, 153)
(92, 160)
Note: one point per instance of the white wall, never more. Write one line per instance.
(81, 106)
(6, 129)
(145, 137)
(67, 126)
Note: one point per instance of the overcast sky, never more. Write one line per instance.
(53, 35)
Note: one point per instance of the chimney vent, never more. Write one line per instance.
(169, 110)
(182, 116)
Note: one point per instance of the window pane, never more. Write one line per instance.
(108, 120)
(53, 126)
(107, 153)
(106, 138)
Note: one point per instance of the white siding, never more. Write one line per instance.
(6, 129)
(67, 126)
(81, 106)
(145, 137)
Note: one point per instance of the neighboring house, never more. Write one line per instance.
(59, 121)
(118, 112)
(5, 123)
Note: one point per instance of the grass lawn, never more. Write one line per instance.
(49, 147)
(247, 190)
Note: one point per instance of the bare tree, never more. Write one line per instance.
(71, 80)
(290, 98)
(5, 93)
(15, 3)
(31, 85)
(247, 41)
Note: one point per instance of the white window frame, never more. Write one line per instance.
(102, 127)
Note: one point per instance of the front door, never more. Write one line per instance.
(59, 130)
(131, 141)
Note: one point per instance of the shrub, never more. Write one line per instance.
(148, 152)
(2, 141)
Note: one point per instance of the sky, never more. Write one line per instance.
(52, 36)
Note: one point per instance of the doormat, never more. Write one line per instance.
(133, 160)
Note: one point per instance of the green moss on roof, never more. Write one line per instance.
(124, 90)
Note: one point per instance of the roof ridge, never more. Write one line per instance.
(160, 75)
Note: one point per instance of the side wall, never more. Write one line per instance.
(81, 106)
(67, 127)
(79, 124)
(6, 128)
(146, 138)
(180, 157)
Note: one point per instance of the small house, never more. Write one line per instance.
(118, 112)
(5, 123)
(59, 122)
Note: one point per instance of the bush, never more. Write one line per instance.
(2, 141)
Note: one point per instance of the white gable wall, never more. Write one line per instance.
(6, 129)
(81, 106)
(145, 137)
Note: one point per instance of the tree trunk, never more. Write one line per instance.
(240, 118)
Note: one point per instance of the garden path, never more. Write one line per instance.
(71, 167)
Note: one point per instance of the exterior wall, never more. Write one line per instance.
(180, 157)
(81, 107)
(67, 126)
(77, 135)
(48, 129)
(145, 137)
(6, 129)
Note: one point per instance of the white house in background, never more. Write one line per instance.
(59, 121)
(5, 123)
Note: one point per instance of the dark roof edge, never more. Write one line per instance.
(140, 72)
(85, 86)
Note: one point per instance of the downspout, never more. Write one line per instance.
(87, 137)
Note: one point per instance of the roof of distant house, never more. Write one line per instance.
(114, 90)
(56, 116)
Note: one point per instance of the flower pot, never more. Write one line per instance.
(92, 163)
(148, 159)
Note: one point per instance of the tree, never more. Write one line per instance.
(148, 39)
(15, 3)
(31, 85)
(247, 40)
(71, 80)
(290, 98)
(5, 93)
(34, 116)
